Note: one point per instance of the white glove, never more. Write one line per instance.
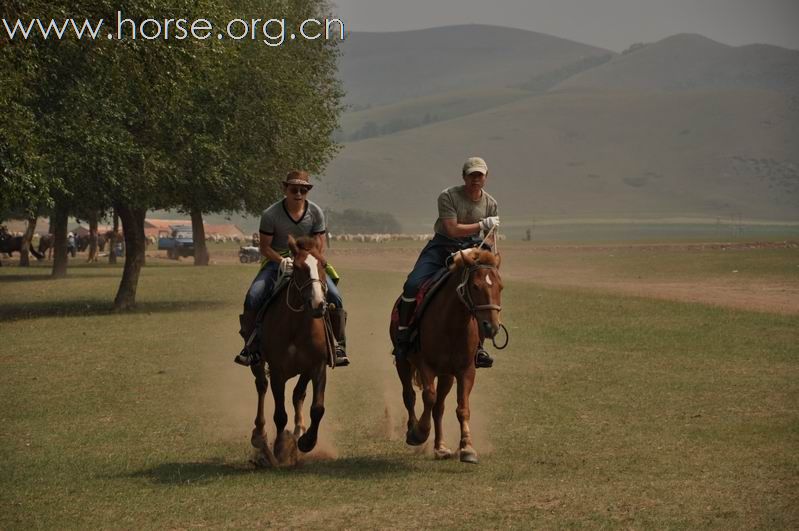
(486, 224)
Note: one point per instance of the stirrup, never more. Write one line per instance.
(341, 358)
(482, 360)
(246, 358)
(402, 349)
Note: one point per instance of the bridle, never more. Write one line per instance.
(464, 294)
(300, 288)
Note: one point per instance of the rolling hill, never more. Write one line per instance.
(575, 155)
(692, 62)
(684, 127)
(384, 68)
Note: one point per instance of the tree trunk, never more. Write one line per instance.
(112, 255)
(133, 230)
(201, 257)
(27, 238)
(93, 237)
(59, 221)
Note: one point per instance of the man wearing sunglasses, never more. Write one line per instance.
(465, 212)
(294, 215)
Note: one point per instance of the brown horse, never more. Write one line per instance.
(295, 341)
(465, 309)
(46, 246)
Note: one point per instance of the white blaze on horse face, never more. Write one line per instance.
(316, 287)
(488, 280)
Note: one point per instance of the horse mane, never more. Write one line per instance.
(306, 243)
(310, 245)
(481, 256)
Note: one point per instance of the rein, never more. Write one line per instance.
(466, 297)
(299, 289)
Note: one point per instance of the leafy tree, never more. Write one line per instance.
(136, 125)
(248, 114)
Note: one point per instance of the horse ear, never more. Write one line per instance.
(293, 245)
(467, 259)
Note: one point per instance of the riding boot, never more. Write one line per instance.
(482, 360)
(403, 346)
(338, 320)
(249, 354)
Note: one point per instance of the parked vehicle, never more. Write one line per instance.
(249, 254)
(177, 242)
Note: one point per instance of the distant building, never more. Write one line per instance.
(83, 229)
(154, 226)
(229, 230)
(19, 226)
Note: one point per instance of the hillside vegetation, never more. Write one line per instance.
(682, 127)
(607, 154)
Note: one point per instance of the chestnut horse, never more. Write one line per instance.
(463, 310)
(295, 341)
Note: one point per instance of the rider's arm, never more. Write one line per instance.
(448, 215)
(321, 243)
(459, 230)
(265, 246)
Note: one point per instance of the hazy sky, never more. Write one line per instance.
(613, 24)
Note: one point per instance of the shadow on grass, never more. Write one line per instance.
(208, 471)
(354, 467)
(193, 473)
(10, 278)
(95, 307)
(28, 277)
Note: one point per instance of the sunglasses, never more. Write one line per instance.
(297, 190)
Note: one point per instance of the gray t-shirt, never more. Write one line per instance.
(276, 222)
(453, 203)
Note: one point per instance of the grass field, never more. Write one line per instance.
(607, 409)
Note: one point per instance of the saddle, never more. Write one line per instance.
(426, 292)
(284, 276)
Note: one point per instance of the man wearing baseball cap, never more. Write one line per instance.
(465, 212)
(294, 215)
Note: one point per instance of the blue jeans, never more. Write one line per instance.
(432, 258)
(264, 282)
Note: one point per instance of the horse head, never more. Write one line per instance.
(480, 287)
(309, 274)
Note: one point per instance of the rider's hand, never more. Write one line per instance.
(486, 224)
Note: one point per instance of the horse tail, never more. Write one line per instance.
(35, 253)
(416, 378)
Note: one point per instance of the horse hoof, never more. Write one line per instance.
(286, 449)
(306, 443)
(258, 439)
(414, 439)
(261, 461)
(442, 453)
(469, 456)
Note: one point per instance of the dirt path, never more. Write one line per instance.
(693, 272)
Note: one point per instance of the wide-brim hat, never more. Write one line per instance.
(298, 178)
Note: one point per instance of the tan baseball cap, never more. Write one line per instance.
(474, 164)
(298, 178)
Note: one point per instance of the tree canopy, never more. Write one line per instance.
(195, 125)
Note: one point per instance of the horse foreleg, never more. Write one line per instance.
(258, 438)
(298, 399)
(422, 430)
(465, 384)
(408, 395)
(442, 390)
(307, 442)
(280, 417)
